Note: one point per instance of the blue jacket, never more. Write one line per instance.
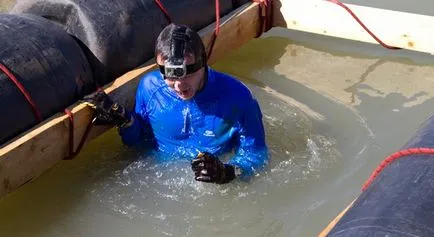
(222, 117)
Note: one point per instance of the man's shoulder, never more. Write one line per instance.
(151, 82)
(232, 85)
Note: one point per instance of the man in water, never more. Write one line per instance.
(186, 109)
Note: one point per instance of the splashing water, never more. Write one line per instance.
(165, 196)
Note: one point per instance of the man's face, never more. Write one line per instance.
(187, 86)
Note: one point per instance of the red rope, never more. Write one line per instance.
(363, 25)
(217, 17)
(38, 116)
(72, 153)
(163, 9)
(217, 28)
(26, 94)
(265, 13)
(393, 157)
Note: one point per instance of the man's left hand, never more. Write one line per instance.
(107, 111)
(208, 168)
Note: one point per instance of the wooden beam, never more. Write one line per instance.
(332, 224)
(399, 29)
(32, 153)
(235, 30)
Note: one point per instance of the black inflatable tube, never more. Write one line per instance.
(400, 200)
(238, 3)
(120, 35)
(47, 62)
(76, 46)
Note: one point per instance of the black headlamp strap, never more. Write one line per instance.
(191, 68)
(175, 64)
(179, 40)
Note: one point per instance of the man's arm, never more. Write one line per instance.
(132, 133)
(133, 126)
(252, 153)
(139, 129)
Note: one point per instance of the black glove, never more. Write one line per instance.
(208, 168)
(107, 112)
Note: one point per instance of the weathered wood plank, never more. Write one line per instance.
(332, 224)
(399, 29)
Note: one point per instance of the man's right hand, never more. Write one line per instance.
(208, 168)
(107, 111)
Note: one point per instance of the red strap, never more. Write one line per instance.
(217, 28)
(38, 116)
(217, 17)
(72, 153)
(163, 9)
(35, 110)
(363, 25)
(265, 13)
(393, 157)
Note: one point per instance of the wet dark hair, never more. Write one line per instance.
(194, 45)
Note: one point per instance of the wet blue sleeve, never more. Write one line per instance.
(252, 153)
(140, 128)
(133, 134)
